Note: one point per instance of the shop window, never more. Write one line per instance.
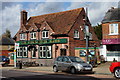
(22, 36)
(45, 34)
(76, 34)
(82, 53)
(113, 29)
(33, 35)
(45, 52)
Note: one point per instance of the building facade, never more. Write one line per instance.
(45, 37)
(111, 34)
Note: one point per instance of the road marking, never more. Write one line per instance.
(2, 77)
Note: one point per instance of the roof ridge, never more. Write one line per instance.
(57, 12)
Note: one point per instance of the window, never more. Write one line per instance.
(60, 59)
(90, 36)
(113, 29)
(22, 36)
(33, 35)
(76, 34)
(82, 53)
(22, 52)
(45, 34)
(65, 59)
(45, 52)
(9, 47)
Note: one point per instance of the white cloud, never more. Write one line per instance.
(11, 18)
(96, 10)
(46, 8)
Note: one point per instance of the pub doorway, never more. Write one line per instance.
(63, 52)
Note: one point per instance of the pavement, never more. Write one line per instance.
(100, 69)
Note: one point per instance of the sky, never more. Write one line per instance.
(10, 10)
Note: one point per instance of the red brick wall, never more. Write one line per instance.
(81, 42)
(105, 31)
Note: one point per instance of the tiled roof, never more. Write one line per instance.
(6, 41)
(60, 22)
(112, 15)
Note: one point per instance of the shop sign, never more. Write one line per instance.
(111, 41)
(49, 41)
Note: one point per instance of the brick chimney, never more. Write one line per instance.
(23, 17)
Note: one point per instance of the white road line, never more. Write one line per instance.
(2, 77)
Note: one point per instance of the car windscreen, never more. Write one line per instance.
(76, 59)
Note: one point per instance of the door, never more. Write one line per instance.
(63, 52)
(59, 62)
(66, 63)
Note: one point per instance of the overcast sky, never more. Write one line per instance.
(10, 11)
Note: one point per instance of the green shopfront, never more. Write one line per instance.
(41, 51)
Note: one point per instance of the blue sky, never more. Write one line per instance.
(10, 11)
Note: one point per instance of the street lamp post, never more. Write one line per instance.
(87, 35)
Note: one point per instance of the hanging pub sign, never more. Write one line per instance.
(48, 41)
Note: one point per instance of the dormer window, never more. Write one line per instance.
(45, 34)
(33, 35)
(22, 36)
(76, 34)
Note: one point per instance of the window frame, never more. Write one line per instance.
(76, 34)
(33, 35)
(22, 36)
(90, 36)
(46, 34)
(20, 52)
(113, 29)
(43, 49)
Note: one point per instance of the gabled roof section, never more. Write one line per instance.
(60, 22)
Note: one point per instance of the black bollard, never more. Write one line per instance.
(20, 65)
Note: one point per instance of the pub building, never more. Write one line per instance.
(43, 38)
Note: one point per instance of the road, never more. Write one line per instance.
(22, 75)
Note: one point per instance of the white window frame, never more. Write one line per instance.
(25, 51)
(45, 32)
(20, 51)
(33, 35)
(90, 36)
(41, 52)
(22, 36)
(76, 34)
(113, 29)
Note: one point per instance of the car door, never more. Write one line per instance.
(59, 62)
(66, 63)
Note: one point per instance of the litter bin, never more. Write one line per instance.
(20, 64)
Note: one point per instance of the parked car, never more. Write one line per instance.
(115, 69)
(71, 64)
(4, 60)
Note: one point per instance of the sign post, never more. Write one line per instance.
(15, 59)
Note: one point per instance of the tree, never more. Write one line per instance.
(98, 31)
(7, 33)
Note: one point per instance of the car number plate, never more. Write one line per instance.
(87, 68)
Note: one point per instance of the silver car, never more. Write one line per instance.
(71, 63)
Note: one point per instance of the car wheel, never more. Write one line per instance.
(73, 70)
(55, 69)
(117, 73)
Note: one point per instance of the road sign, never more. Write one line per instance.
(16, 45)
